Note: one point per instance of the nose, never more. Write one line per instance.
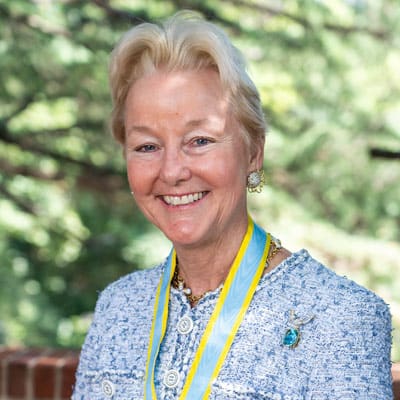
(174, 167)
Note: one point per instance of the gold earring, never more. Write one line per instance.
(255, 181)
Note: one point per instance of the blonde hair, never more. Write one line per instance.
(184, 42)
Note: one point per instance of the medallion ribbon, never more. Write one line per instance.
(235, 298)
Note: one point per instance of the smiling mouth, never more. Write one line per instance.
(183, 200)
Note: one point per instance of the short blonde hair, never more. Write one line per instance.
(184, 42)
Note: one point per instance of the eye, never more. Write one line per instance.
(146, 148)
(201, 141)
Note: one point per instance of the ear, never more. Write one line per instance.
(256, 155)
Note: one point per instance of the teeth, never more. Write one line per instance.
(183, 200)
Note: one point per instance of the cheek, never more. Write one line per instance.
(138, 181)
(229, 173)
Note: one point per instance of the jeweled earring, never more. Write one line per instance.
(255, 181)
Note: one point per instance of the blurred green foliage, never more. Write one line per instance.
(328, 76)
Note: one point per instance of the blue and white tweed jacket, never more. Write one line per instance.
(343, 353)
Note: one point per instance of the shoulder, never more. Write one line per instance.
(346, 314)
(323, 286)
(303, 284)
(115, 347)
(140, 280)
(135, 288)
(351, 331)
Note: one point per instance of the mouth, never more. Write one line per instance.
(183, 200)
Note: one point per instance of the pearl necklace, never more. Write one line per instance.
(179, 283)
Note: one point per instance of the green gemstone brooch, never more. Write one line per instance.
(292, 335)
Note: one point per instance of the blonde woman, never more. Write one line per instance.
(230, 314)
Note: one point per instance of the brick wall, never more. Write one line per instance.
(36, 374)
(49, 374)
(396, 381)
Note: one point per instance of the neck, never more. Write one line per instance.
(205, 268)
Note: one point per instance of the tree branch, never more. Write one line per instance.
(23, 206)
(114, 13)
(91, 177)
(375, 152)
(34, 22)
(23, 106)
(29, 209)
(9, 169)
(26, 144)
(345, 30)
(208, 12)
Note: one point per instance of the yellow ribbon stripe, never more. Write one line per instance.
(241, 315)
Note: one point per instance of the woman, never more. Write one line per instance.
(230, 314)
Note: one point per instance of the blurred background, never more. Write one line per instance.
(329, 76)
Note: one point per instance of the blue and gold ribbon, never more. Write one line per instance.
(235, 298)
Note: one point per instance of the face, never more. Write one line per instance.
(186, 159)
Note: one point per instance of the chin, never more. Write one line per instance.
(184, 237)
(183, 240)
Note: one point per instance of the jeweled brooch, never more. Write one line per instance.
(292, 334)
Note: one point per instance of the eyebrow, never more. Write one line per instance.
(195, 123)
(139, 128)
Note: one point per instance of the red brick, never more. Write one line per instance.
(68, 374)
(5, 352)
(18, 379)
(44, 375)
(37, 373)
(49, 374)
(396, 381)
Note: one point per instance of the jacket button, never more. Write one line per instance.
(185, 325)
(171, 378)
(108, 388)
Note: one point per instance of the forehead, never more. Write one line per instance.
(192, 94)
(205, 81)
